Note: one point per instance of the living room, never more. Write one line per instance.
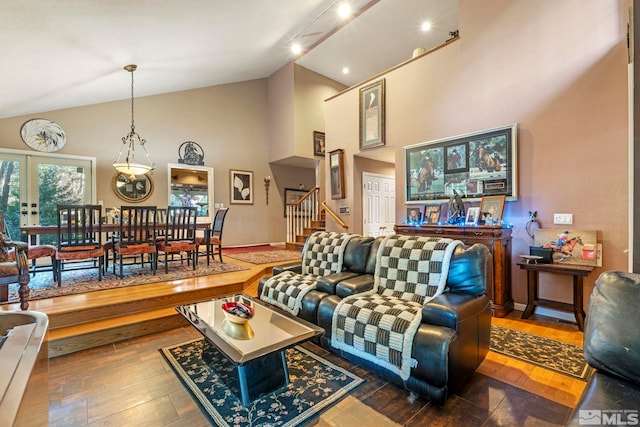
(559, 70)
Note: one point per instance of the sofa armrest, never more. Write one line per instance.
(296, 267)
(452, 308)
(354, 285)
(328, 283)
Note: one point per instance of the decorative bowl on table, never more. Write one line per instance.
(237, 312)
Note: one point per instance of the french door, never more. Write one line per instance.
(31, 186)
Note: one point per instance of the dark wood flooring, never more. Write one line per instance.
(130, 384)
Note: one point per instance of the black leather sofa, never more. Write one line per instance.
(612, 347)
(453, 338)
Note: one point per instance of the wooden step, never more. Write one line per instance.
(83, 321)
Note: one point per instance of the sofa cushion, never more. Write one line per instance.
(470, 269)
(356, 254)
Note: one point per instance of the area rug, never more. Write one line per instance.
(554, 355)
(315, 384)
(265, 257)
(81, 281)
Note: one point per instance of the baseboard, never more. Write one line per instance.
(549, 312)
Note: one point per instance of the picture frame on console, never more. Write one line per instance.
(473, 165)
(241, 191)
(473, 214)
(432, 214)
(372, 115)
(491, 210)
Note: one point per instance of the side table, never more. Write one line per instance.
(577, 271)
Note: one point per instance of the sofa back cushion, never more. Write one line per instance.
(356, 254)
(470, 270)
(611, 334)
(370, 267)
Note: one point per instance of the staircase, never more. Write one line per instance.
(300, 239)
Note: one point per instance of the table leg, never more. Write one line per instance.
(578, 302)
(532, 293)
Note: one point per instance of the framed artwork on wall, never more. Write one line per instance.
(241, 191)
(132, 189)
(336, 170)
(292, 195)
(372, 115)
(318, 143)
(474, 165)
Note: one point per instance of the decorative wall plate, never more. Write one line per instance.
(43, 135)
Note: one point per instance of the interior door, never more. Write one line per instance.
(378, 204)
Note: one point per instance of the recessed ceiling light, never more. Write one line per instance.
(345, 70)
(296, 48)
(426, 26)
(344, 10)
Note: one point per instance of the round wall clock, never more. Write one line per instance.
(43, 135)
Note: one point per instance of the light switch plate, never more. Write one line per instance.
(563, 218)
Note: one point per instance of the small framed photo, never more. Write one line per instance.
(372, 112)
(241, 191)
(336, 170)
(318, 143)
(491, 209)
(432, 214)
(414, 215)
(472, 216)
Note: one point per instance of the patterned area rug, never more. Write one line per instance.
(81, 281)
(557, 356)
(265, 257)
(315, 385)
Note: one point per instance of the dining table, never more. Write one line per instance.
(29, 233)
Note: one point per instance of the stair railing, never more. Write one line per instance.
(334, 215)
(301, 213)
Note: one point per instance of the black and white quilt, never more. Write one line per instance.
(322, 255)
(379, 325)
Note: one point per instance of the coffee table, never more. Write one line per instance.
(256, 349)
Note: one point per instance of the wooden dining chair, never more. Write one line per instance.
(14, 270)
(214, 237)
(137, 236)
(179, 234)
(79, 237)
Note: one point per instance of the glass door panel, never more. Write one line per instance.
(12, 186)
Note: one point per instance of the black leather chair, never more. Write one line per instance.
(612, 347)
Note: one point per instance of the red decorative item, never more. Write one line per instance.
(237, 312)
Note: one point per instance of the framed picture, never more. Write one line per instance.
(372, 115)
(432, 214)
(292, 195)
(475, 165)
(472, 216)
(318, 143)
(414, 215)
(491, 209)
(241, 191)
(336, 171)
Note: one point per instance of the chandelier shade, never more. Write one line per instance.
(126, 163)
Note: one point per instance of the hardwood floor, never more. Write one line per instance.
(129, 383)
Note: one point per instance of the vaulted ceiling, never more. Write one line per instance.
(68, 53)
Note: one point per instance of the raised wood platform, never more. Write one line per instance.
(79, 322)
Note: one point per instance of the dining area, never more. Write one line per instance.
(141, 238)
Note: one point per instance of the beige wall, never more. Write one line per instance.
(230, 122)
(559, 70)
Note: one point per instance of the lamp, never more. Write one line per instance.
(267, 182)
(128, 165)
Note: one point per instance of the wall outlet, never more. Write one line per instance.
(344, 209)
(563, 218)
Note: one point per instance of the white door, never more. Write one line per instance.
(378, 204)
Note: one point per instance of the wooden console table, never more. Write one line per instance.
(577, 271)
(496, 238)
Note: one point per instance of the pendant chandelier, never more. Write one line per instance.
(126, 161)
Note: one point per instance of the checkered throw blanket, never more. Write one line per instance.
(379, 325)
(322, 255)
